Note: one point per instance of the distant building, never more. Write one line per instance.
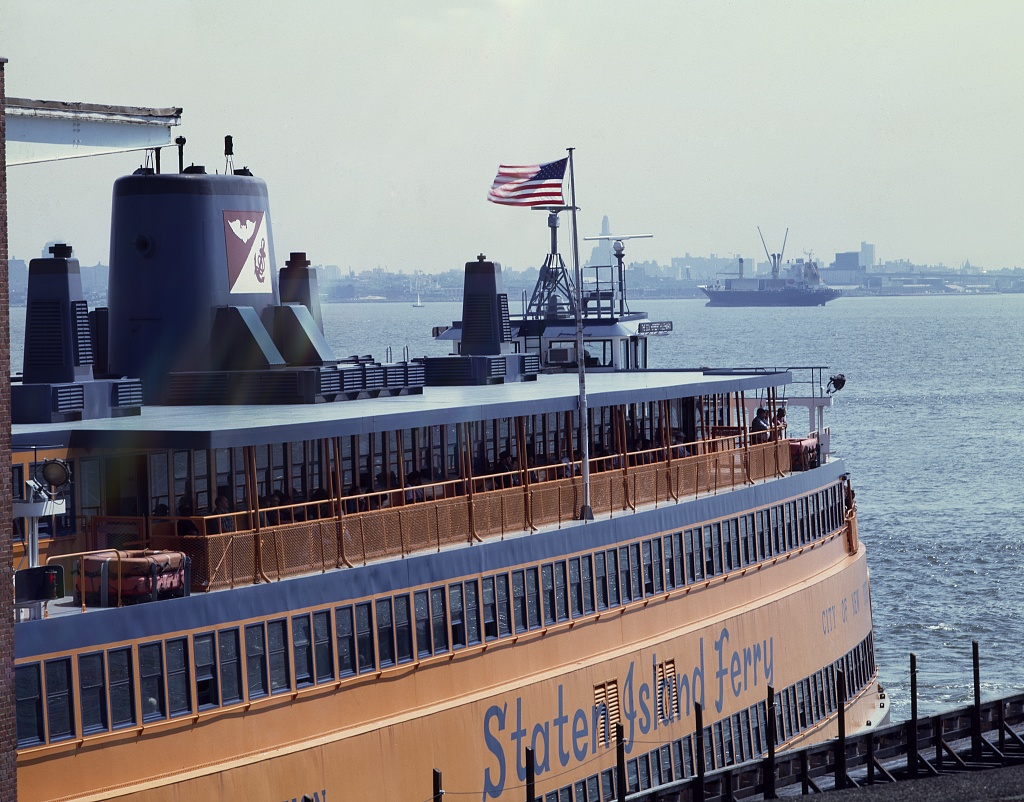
(602, 254)
(867, 254)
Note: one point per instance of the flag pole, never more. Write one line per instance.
(586, 512)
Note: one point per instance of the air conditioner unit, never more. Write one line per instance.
(561, 356)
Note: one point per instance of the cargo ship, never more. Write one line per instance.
(799, 284)
(250, 569)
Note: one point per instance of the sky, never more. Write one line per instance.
(379, 125)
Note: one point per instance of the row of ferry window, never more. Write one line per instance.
(736, 739)
(384, 632)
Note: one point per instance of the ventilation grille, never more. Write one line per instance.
(668, 699)
(44, 336)
(68, 398)
(497, 367)
(606, 698)
(506, 324)
(126, 393)
(477, 319)
(531, 363)
(82, 336)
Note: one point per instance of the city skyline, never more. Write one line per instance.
(697, 122)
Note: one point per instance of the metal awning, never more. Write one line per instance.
(48, 130)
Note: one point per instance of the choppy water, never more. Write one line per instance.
(929, 424)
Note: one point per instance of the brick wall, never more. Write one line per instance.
(8, 735)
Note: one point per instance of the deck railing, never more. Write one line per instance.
(302, 538)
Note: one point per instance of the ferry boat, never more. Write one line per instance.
(252, 570)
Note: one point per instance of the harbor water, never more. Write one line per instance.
(929, 423)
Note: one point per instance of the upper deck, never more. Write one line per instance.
(211, 427)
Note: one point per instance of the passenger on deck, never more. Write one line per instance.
(779, 423)
(322, 510)
(759, 426)
(507, 467)
(185, 511)
(414, 487)
(222, 507)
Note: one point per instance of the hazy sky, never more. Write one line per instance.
(380, 125)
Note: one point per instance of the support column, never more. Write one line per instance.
(8, 732)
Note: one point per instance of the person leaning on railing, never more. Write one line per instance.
(760, 426)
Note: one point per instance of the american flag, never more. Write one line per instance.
(529, 185)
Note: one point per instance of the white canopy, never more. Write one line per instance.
(48, 130)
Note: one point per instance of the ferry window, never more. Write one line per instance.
(602, 581)
(761, 725)
(423, 644)
(671, 569)
(691, 540)
(302, 651)
(440, 620)
(519, 600)
(179, 694)
(608, 784)
(655, 756)
(627, 591)
(709, 750)
(122, 690)
(532, 598)
(256, 661)
(230, 666)
(151, 681)
(659, 572)
(730, 543)
(729, 753)
(588, 585)
(322, 657)
(746, 748)
(812, 516)
(458, 615)
(277, 656)
(632, 780)
(548, 582)
(17, 482)
(791, 527)
(28, 694)
(364, 637)
(490, 610)
(472, 612)
(504, 605)
(778, 529)
(206, 671)
(385, 632)
(575, 588)
(613, 578)
(561, 592)
(636, 572)
(92, 693)
(346, 641)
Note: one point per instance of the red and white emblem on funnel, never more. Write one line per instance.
(248, 250)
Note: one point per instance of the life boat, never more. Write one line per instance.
(112, 577)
